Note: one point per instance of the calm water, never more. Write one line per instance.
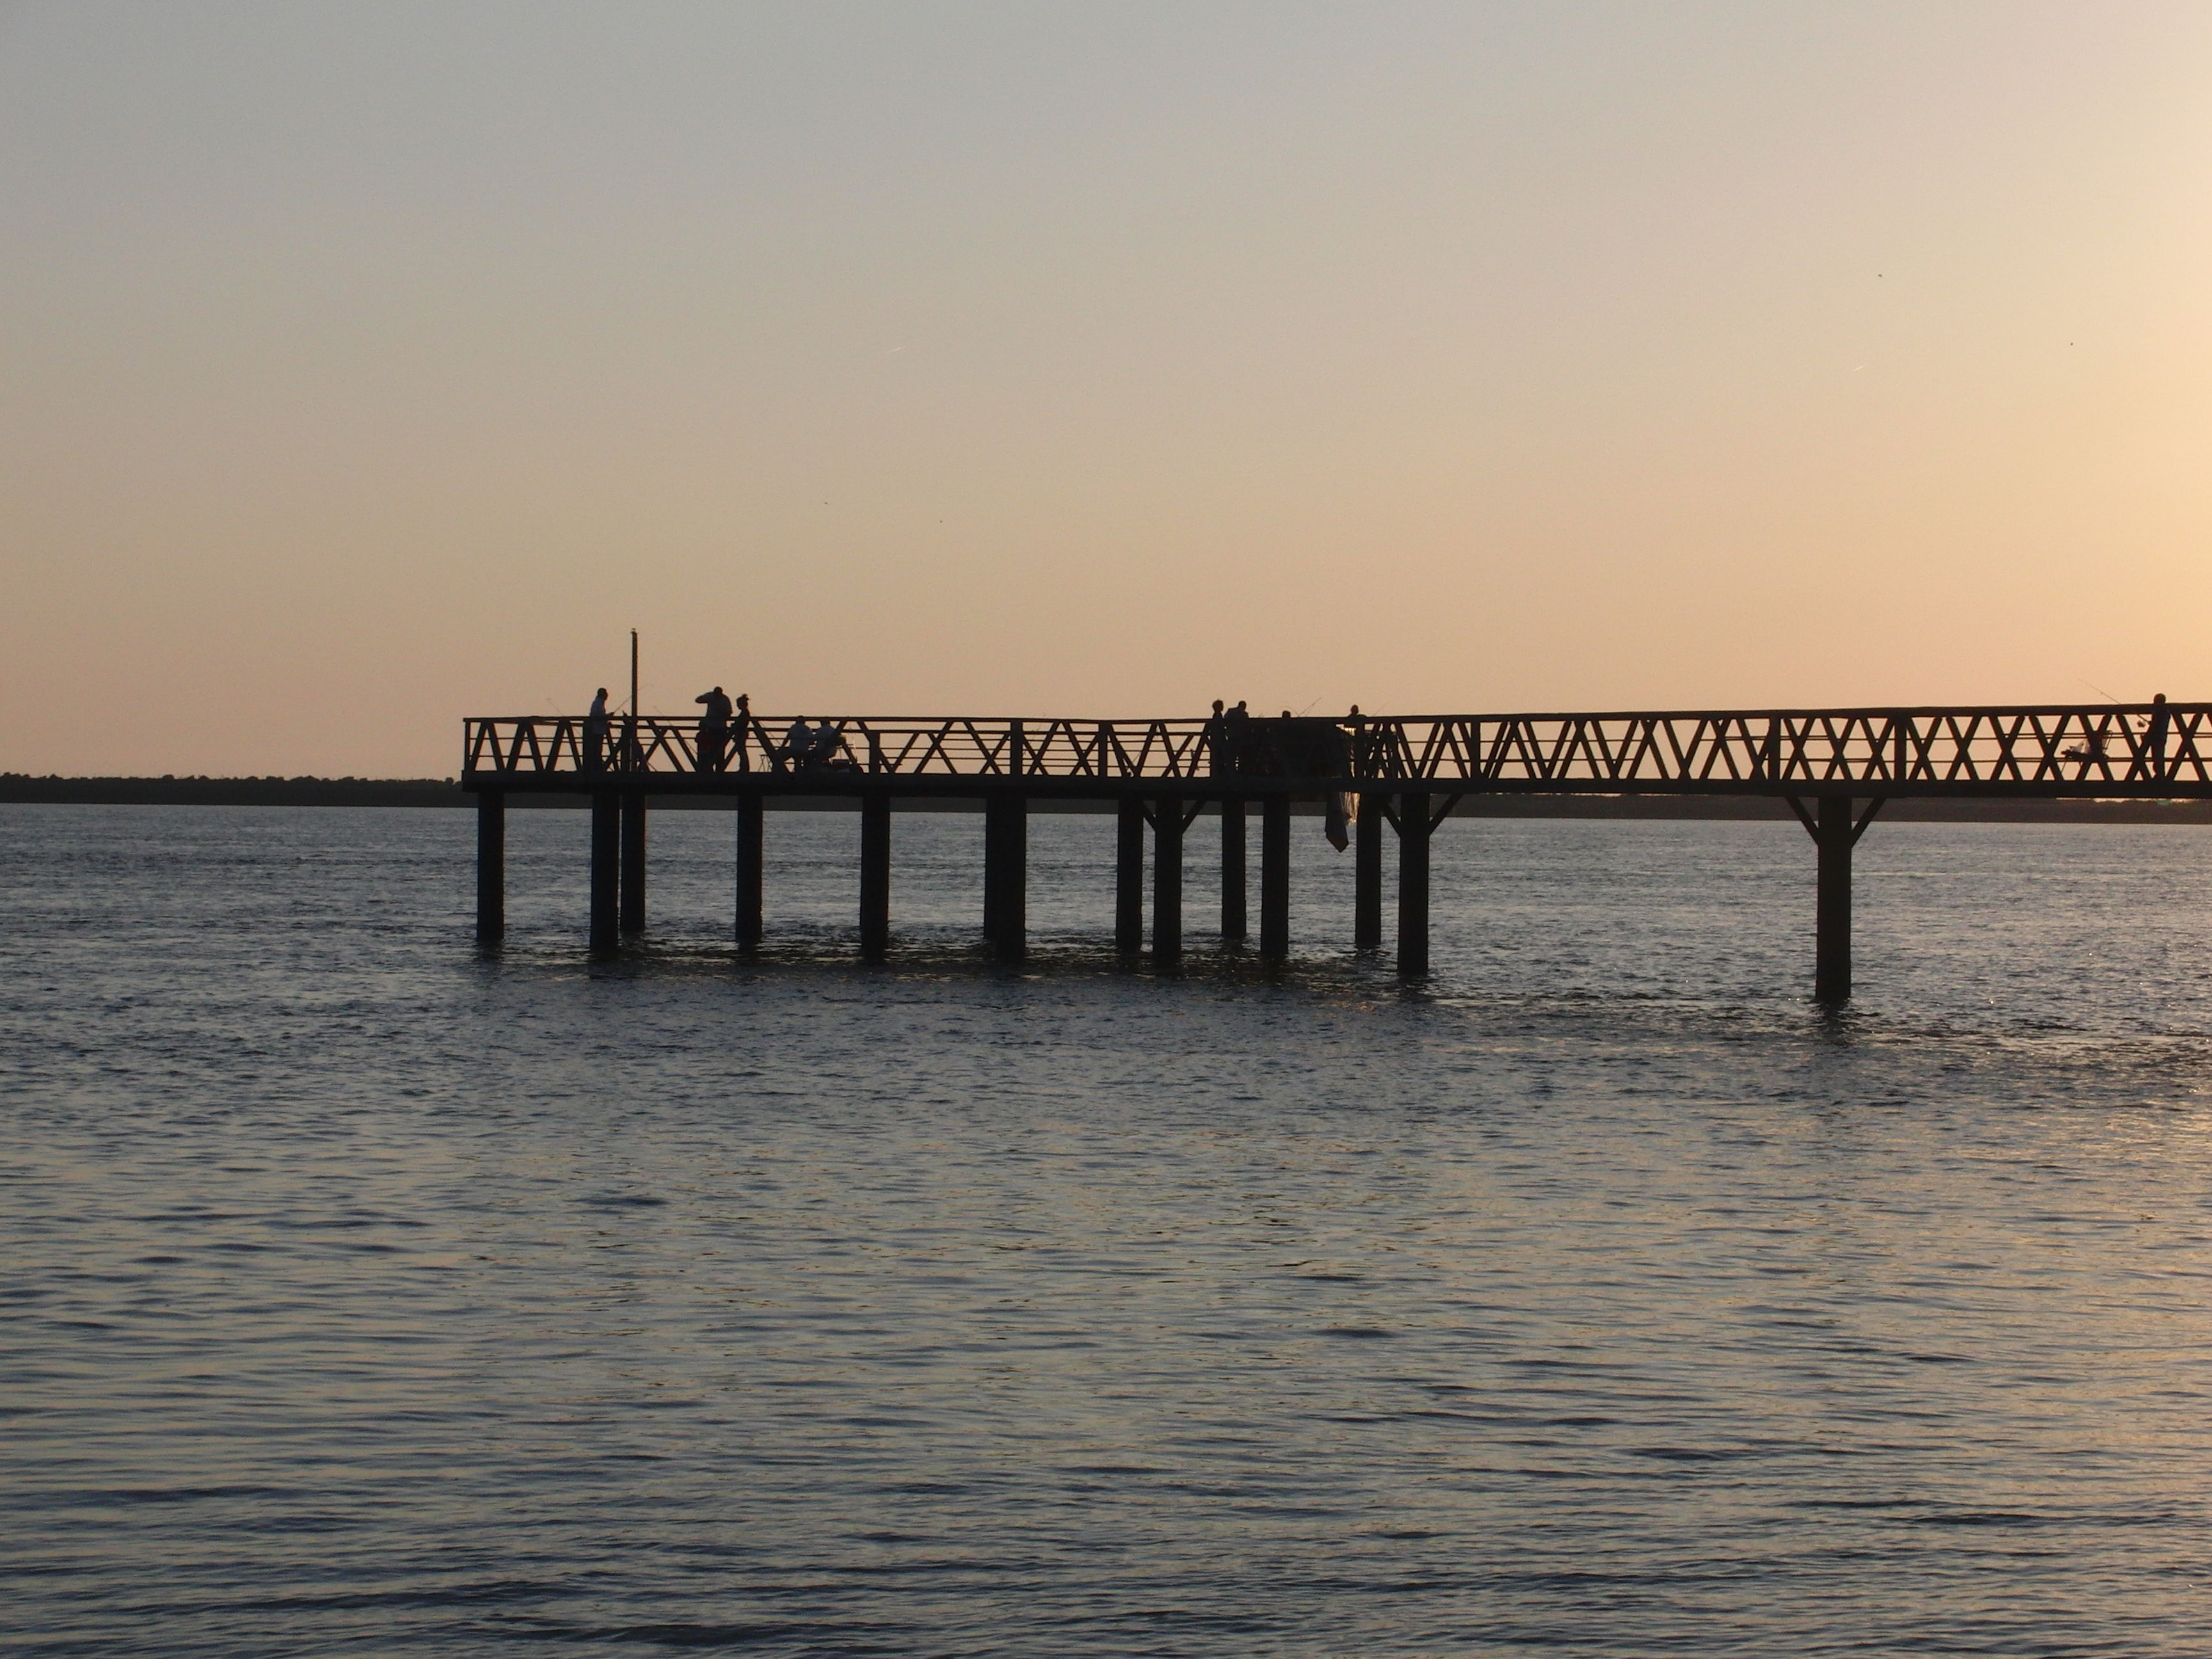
(363, 1296)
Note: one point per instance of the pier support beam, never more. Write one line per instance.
(1835, 826)
(491, 865)
(1167, 883)
(749, 872)
(1413, 884)
(1275, 876)
(1005, 875)
(1129, 878)
(1367, 876)
(994, 879)
(875, 876)
(633, 861)
(1232, 872)
(606, 873)
(1831, 903)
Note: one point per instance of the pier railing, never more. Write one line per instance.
(2121, 749)
(530, 745)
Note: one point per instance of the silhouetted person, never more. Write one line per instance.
(1217, 743)
(714, 730)
(1237, 734)
(595, 734)
(2154, 739)
(798, 742)
(825, 745)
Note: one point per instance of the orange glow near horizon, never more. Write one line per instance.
(370, 367)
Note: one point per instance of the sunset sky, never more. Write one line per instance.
(367, 366)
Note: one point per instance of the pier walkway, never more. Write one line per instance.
(1836, 768)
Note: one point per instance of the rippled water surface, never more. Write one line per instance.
(363, 1295)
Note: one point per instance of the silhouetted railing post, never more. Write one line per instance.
(750, 838)
(875, 875)
(1275, 876)
(491, 865)
(1413, 883)
(1167, 883)
(606, 871)
(1129, 878)
(1367, 875)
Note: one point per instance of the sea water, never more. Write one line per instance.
(366, 1294)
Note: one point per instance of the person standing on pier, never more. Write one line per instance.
(1237, 734)
(595, 734)
(713, 729)
(1217, 741)
(798, 742)
(2154, 741)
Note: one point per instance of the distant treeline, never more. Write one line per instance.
(17, 786)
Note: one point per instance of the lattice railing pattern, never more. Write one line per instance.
(2129, 746)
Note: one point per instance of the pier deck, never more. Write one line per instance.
(1836, 768)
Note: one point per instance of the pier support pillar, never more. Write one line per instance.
(1367, 876)
(633, 862)
(875, 876)
(1232, 872)
(749, 872)
(1167, 883)
(1833, 835)
(993, 877)
(1413, 884)
(491, 865)
(606, 873)
(1005, 875)
(1275, 876)
(1129, 878)
(1835, 826)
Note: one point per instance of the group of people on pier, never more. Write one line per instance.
(1287, 746)
(804, 748)
(1237, 744)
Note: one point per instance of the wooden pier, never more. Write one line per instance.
(1402, 774)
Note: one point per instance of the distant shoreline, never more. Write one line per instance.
(18, 788)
